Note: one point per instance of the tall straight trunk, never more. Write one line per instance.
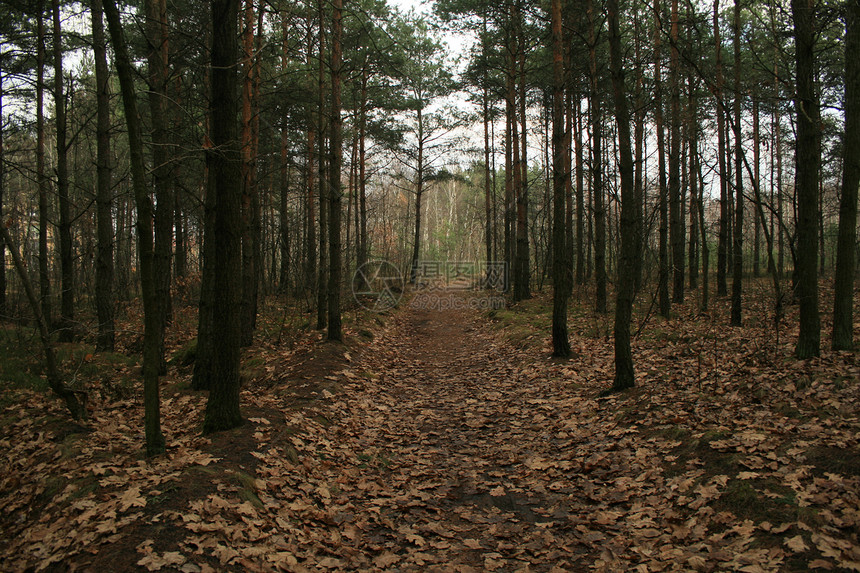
(737, 274)
(843, 297)
(516, 172)
(723, 243)
(580, 199)
(162, 155)
(695, 205)
(2, 190)
(560, 176)
(224, 160)
(638, 144)
(675, 193)
(625, 283)
(419, 192)
(143, 201)
(104, 219)
(250, 283)
(41, 178)
(597, 167)
(335, 187)
(67, 262)
(363, 252)
(322, 266)
(283, 218)
(756, 184)
(522, 263)
(808, 161)
(485, 102)
(663, 281)
(314, 122)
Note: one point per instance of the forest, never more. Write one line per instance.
(555, 285)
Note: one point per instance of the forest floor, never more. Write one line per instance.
(449, 440)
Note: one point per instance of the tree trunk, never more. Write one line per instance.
(151, 317)
(597, 167)
(560, 176)
(675, 194)
(42, 180)
(67, 262)
(723, 244)
(323, 263)
(250, 284)
(522, 265)
(76, 400)
(162, 155)
(738, 258)
(808, 160)
(3, 309)
(663, 284)
(224, 160)
(335, 187)
(104, 218)
(843, 298)
(625, 283)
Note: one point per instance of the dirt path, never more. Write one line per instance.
(456, 441)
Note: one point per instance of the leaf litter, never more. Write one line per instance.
(440, 445)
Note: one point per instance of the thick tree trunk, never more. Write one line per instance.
(580, 200)
(104, 218)
(625, 283)
(224, 160)
(151, 317)
(808, 160)
(67, 262)
(560, 177)
(843, 298)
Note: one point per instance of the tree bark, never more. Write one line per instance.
(42, 180)
(560, 176)
(738, 258)
(67, 262)
(808, 160)
(663, 284)
(335, 187)
(104, 218)
(151, 317)
(723, 243)
(675, 194)
(224, 160)
(597, 167)
(626, 280)
(843, 298)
